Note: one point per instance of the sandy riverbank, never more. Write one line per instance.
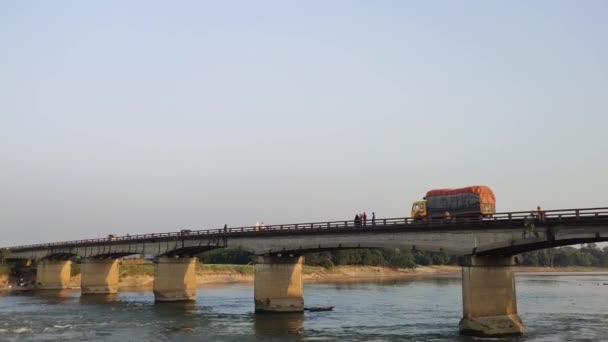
(142, 274)
(227, 274)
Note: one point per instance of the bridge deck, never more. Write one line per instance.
(583, 216)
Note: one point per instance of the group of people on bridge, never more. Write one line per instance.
(361, 219)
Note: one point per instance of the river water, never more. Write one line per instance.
(553, 308)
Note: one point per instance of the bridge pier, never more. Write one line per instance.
(488, 297)
(99, 276)
(278, 284)
(53, 274)
(175, 279)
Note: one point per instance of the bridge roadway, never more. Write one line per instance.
(487, 246)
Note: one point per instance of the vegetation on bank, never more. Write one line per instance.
(147, 269)
(587, 255)
(233, 256)
(226, 268)
(394, 258)
(136, 270)
(239, 261)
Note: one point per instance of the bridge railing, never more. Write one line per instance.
(576, 213)
(548, 215)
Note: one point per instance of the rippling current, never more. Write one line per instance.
(553, 308)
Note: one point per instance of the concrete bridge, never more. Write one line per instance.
(487, 247)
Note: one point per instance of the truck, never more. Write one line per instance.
(471, 201)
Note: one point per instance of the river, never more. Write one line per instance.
(553, 308)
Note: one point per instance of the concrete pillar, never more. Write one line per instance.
(99, 276)
(488, 297)
(53, 274)
(278, 284)
(174, 279)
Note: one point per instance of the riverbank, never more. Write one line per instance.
(141, 273)
(562, 271)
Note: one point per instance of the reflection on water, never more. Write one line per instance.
(57, 294)
(553, 308)
(169, 310)
(98, 298)
(278, 324)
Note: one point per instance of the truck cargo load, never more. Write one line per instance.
(469, 201)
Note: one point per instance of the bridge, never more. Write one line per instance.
(487, 245)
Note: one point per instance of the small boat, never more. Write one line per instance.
(319, 308)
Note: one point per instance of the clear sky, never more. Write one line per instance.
(152, 116)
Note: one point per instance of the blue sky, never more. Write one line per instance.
(142, 116)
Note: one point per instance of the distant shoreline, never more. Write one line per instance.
(141, 275)
(231, 274)
(561, 271)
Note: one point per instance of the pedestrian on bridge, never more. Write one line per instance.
(373, 219)
(357, 221)
(541, 214)
(364, 219)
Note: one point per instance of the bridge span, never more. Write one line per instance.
(488, 247)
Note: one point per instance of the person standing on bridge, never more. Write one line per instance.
(373, 219)
(364, 219)
(357, 221)
(541, 214)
